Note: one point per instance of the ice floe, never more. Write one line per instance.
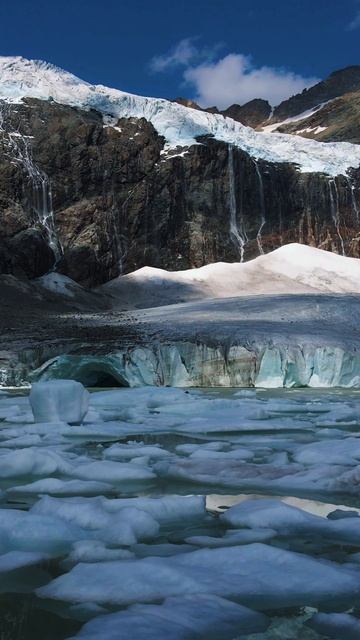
(124, 521)
(60, 400)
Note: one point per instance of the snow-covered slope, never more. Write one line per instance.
(179, 125)
(269, 128)
(293, 268)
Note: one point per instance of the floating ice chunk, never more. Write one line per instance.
(288, 520)
(21, 441)
(126, 525)
(336, 625)
(269, 513)
(59, 401)
(17, 559)
(129, 526)
(55, 487)
(232, 539)
(31, 461)
(167, 510)
(236, 454)
(342, 452)
(188, 449)
(95, 551)
(99, 512)
(252, 574)
(131, 451)
(26, 531)
(113, 472)
(82, 512)
(179, 618)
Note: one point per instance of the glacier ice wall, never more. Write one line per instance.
(187, 364)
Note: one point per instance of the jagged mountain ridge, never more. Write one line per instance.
(95, 182)
(337, 84)
(252, 114)
(335, 101)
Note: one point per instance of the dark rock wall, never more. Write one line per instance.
(96, 201)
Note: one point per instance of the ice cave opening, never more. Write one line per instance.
(92, 375)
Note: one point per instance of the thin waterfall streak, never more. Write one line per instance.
(121, 252)
(335, 211)
(18, 149)
(353, 200)
(238, 237)
(262, 208)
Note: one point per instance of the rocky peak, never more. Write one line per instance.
(250, 114)
(337, 84)
(186, 102)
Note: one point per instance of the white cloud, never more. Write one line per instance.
(180, 55)
(183, 54)
(234, 79)
(355, 23)
(230, 79)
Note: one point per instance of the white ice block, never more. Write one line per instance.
(59, 401)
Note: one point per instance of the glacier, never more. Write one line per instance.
(180, 126)
(187, 364)
(303, 340)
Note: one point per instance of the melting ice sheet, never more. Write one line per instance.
(182, 514)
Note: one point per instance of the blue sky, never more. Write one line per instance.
(213, 50)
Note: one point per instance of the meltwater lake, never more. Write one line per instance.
(182, 514)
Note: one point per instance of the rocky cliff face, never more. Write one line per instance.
(94, 201)
(337, 84)
(338, 120)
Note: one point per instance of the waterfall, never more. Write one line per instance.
(238, 237)
(335, 211)
(121, 252)
(17, 148)
(353, 200)
(43, 208)
(262, 207)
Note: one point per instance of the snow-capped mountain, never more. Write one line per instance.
(95, 182)
(180, 126)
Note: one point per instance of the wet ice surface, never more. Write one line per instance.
(182, 514)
